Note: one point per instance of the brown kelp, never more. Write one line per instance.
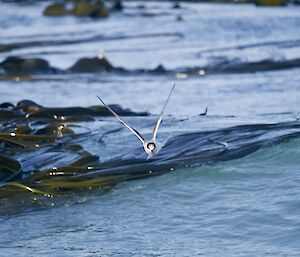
(94, 9)
(39, 143)
(42, 156)
(30, 110)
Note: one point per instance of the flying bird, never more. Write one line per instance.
(151, 147)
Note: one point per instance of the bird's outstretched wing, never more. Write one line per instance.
(154, 133)
(133, 130)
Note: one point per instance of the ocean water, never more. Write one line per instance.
(244, 204)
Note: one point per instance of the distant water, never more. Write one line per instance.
(249, 206)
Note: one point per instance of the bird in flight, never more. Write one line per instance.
(151, 147)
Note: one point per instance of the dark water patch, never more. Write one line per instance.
(93, 38)
(279, 44)
(250, 67)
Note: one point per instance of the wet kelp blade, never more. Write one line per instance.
(26, 111)
(9, 168)
(184, 150)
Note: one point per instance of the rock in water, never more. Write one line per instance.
(93, 10)
(56, 10)
(160, 69)
(96, 64)
(81, 8)
(17, 65)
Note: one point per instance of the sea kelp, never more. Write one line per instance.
(81, 8)
(38, 144)
(27, 110)
(46, 159)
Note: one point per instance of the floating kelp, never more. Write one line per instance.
(10, 141)
(270, 2)
(82, 8)
(57, 9)
(8, 168)
(62, 167)
(56, 128)
(10, 114)
(42, 139)
(38, 143)
(30, 111)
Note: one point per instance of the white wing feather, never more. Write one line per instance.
(155, 130)
(133, 130)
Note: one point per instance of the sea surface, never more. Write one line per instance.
(240, 201)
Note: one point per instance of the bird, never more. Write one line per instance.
(152, 146)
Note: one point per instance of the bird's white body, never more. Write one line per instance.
(151, 147)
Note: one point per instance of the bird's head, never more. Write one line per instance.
(151, 146)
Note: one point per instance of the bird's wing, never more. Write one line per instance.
(133, 130)
(154, 133)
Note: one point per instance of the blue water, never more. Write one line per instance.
(244, 207)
